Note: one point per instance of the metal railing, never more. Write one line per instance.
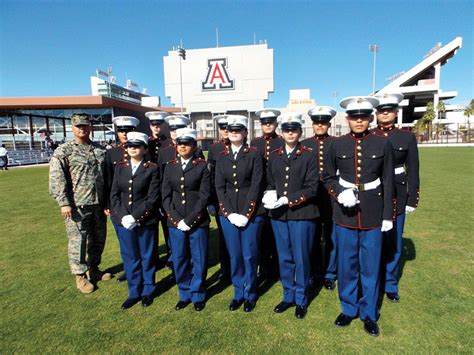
(441, 133)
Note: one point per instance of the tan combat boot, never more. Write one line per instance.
(94, 274)
(83, 284)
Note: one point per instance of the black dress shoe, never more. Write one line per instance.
(300, 312)
(343, 321)
(249, 306)
(199, 306)
(147, 301)
(371, 328)
(130, 302)
(235, 305)
(122, 278)
(181, 305)
(393, 297)
(329, 284)
(282, 307)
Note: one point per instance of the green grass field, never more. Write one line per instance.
(42, 311)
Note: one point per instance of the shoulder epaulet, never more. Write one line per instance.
(123, 162)
(225, 151)
(174, 161)
(306, 149)
(149, 164)
(250, 149)
(277, 151)
(199, 160)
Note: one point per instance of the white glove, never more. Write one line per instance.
(347, 198)
(280, 202)
(269, 197)
(234, 219)
(183, 226)
(211, 210)
(128, 222)
(241, 220)
(409, 209)
(386, 225)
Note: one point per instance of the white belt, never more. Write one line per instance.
(360, 187)
(399, 170)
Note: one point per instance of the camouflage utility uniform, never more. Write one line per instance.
(76, 179)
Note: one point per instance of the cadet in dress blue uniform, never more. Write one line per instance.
(359, 174)
(135, 190)
(116, 155)
(186, 190)
(324, 261)
(239, 184)
(165, 155)
(268, 142)
(214, 150)
(158, 139)
(407, 184)
(292, 176)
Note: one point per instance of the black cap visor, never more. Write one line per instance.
(268, 120)
(358, 113)
(291, 126)
(388, 107)
(175, 127)
(236, 127)
(135, 143)
(185, 140)
(321, 118)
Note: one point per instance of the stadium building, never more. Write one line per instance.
(28, 125)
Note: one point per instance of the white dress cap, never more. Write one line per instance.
(126, 121)
(137, 138)
(159, 116)
(176, 121)
(267, 113)
(359, 105)
(389, 99)
(322, 113)
(221, 119)
(290, 119)
(236, 121)
(186, 135)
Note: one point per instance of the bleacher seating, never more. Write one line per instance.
(28, 157)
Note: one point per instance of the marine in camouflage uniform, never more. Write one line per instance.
(76, 180)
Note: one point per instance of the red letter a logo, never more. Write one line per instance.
(217, 77)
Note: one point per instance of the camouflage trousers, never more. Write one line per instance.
(86, 231)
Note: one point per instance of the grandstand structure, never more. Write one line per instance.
(30, 127)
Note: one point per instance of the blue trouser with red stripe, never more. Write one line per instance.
(190, 262)
(136, 248)
(359, 254)
(392, 254)
(242, 244)
(294, 241)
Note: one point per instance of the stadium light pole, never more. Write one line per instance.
(374, 49)
(182, 56)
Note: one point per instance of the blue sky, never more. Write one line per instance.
(51, 48)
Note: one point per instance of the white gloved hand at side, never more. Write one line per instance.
(282, 201)
(241, 220)
(409, 209)
(128, 222)
(269, 197)
(234, 219)
(386, 225)
(347, 198)
(183, 226)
